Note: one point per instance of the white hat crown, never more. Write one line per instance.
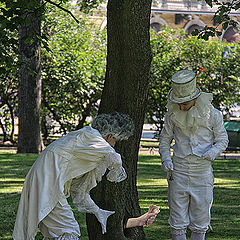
(184, 87)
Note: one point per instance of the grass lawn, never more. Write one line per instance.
(152, 188)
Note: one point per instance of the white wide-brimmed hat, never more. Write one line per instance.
(184, 87)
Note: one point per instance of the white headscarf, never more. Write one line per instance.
(188, 120)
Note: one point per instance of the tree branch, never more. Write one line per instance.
(64, 9)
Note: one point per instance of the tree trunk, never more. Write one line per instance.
(29, 89)
(125, 90)
(10, 107)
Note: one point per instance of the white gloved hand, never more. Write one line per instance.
(102, 216)
(167, 165)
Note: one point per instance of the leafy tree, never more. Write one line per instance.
(25, 17)
(76, 65)
(230, 77)
(15, 17)
(8, 72)
(166, 47)
(214, 73)
(79, 41)
(8, 89)
(87, 5)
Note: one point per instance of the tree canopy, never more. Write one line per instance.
(221, 18)
(76, 65)
(79, 63)
(215, 63)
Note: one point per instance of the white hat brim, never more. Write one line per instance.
(187, 99)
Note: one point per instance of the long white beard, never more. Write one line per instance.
(189, 120)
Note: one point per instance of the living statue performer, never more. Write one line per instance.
(199, 135)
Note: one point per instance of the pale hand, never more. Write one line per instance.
(149, 217)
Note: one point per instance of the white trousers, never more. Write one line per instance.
(190, 194)
(60, 224)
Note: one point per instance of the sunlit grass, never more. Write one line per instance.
(152, 189)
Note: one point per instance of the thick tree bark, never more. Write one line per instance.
(125, 90)
(29, 90)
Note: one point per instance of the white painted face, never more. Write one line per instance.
(187, 105)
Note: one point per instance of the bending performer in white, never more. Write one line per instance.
(71, 165)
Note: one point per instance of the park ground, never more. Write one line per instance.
(152, 188)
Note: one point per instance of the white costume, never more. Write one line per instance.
(72, 165)
(199, 136)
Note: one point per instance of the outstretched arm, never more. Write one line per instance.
(145, 219)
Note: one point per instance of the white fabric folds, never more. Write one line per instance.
(197, 131)
(190, 119)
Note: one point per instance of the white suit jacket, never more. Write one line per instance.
(209, 137)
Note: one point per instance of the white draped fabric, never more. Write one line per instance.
(72, 165)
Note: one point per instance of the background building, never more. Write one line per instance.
(184, 14)
(189, 15)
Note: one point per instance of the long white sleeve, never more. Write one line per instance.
(220, 141)
(166, 138)
(116, 171)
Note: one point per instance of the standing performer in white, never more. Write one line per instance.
(199, 134)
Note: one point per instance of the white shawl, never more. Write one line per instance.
(189, 120)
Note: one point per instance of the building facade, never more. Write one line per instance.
(189, 15)
(184, 14)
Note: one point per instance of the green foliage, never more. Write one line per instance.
(73, 71)
(165, 50)
(13, 14)
(8, 69)
(87, 5)
(8, 98)
(73, 57)
(215, 73)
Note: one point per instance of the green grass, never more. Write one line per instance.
(152, 187)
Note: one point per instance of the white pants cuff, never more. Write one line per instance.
(198, 236)
(178, 231)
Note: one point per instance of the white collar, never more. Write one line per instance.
(189, 119)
